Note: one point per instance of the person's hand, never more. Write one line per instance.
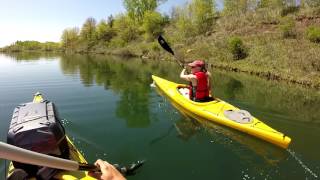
(108, 171)
(185, 66)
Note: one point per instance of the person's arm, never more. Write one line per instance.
(209, 83)
(108, 171)
(183, 75)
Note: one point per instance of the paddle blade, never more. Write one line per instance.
(130, 169)
(165, 45)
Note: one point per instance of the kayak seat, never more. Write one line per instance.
(184, 91)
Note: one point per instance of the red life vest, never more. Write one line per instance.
(202, 90)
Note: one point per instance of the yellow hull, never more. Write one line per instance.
(73, 175)
(214, 111)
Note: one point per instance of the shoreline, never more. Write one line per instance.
(269, 76)
(222, 66)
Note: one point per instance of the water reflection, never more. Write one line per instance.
(297, 103)
(186, 127)
(133, 107)
(132, 77)
(129, 78)
(119, 74)
(288, 108)
(233, 87)
(191, 124)
(161, 137)
(32, 56)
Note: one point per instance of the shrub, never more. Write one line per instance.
(155, 46)
(289, 10)
(183, 23)
(313, 34)
(152, 24)
(203, 13)
(287, 27)
(237, 48)
(116, 43)
(126, 28)
(267, 16)
(124, 52)
(104, 31)
(316, 11)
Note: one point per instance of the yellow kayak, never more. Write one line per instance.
(221, 112)
(74, 155)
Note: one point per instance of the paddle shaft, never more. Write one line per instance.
(166, 47)
(14, 153)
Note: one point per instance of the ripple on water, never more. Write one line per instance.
(302, 164)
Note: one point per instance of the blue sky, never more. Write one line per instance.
(44, 20)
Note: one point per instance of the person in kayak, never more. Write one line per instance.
(199, 79)
(108, 171)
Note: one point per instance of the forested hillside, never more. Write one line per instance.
(272, 38)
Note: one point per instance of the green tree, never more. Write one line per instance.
(28, 45)
(50, 46)
(152, 24)
(19, 46)
(203, 13)
(183, 22)
(70, 38)
(88, 32)
(137, 8)
(194, 18)
(104, 32)
(126, 28)
(232, 7)
(110, 21)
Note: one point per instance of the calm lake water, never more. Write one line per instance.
(111, 112)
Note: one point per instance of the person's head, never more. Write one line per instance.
(197, 65)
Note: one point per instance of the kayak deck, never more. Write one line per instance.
(76, 156)
(215, 111)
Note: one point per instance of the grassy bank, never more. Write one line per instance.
(270, 55)
(275, 41)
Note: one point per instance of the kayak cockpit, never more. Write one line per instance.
(184, 91)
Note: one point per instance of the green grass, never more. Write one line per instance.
(270, 53)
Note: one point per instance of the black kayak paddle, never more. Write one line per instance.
(166, 47)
